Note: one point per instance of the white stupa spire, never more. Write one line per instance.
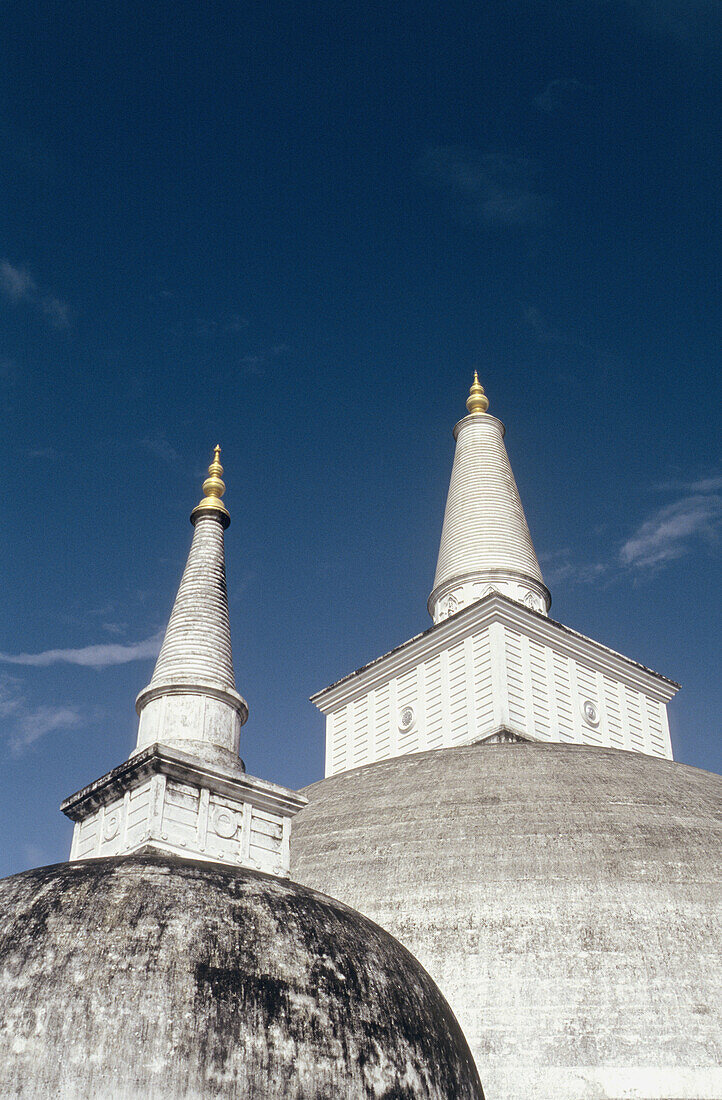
(191, 701)
(485, 541)
(184, 789)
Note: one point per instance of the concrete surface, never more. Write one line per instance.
(567, 900)
(150, 976)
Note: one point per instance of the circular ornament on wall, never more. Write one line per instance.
(225, 822)
(111, 825)
(590, 712)
(406, 719)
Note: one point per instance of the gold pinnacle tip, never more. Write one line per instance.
(213, 489)
(477, 401)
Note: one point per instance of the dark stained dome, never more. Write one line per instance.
(150, 976)
(567, 900)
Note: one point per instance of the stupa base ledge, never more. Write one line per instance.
(167, 800)
(617, 1082)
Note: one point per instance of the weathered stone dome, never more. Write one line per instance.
(566, 899)
(150, 976)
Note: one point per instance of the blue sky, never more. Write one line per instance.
(296, 229)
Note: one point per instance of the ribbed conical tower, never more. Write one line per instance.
(184, 789)
(485, 541)
(191, 701)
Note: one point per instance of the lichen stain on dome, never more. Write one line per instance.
(149, 976)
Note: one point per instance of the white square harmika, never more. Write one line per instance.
(494, 667)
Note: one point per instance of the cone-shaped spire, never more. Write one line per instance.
(485, 541)
(184, 789)
(192, 694)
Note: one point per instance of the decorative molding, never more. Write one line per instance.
(172, 799)
(491, 609)
(460, 592)
(502, 737)
(225, 822)
(407, 719)
(225, 695)
(111, 824)
(501, 666)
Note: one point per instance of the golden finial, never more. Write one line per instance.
(213, 489)
(477, 401)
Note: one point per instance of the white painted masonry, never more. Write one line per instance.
(163, 799)
(192, 694)
(485, 542)
(184, 789)
(492, 668)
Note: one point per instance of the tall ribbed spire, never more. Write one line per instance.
(184, 789)
(485, 541)
(192, 694)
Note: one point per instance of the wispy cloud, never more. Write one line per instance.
(41, 721)
(114, 628)
(24, 724)
(57, 312)
(560, 567)
(706, 485)
(98, 656)
(227, 323)
(256, 364)
(11, 700)
(671, 532)
(560, 94)
(48, 453)
(16, 282)
(160, 448)
(493, 189)
(549, 334)
(675, 529)
(19, 286)
(710, 484)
